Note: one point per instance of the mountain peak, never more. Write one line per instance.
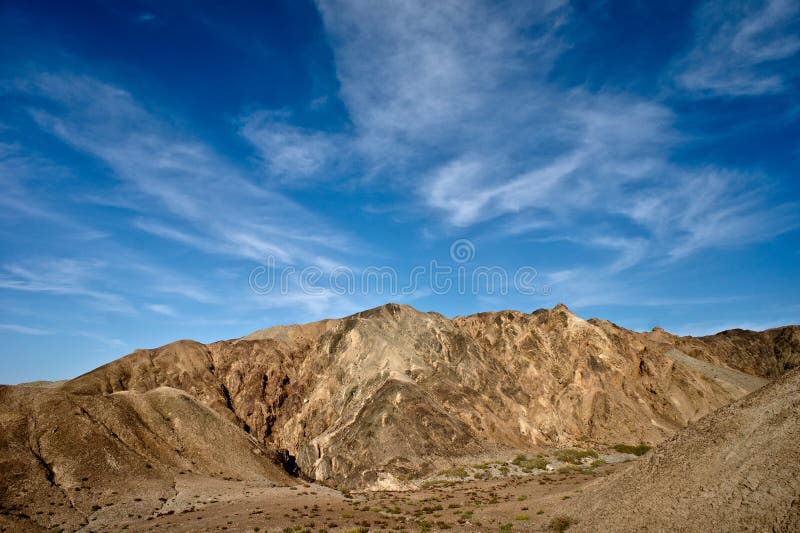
(562, 308)
(389, 308)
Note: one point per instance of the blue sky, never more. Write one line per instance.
(638, 160)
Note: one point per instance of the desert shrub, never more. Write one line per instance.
(459, 472)
(560, 523)
(597, 462)
(506, 528)
(521, 517)
(635, 450)
(574, 456)
(529, 464)
(424, 525)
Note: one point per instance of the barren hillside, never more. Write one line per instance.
(375, 399)
(734, 470)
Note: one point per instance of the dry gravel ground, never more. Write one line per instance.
(207, 504)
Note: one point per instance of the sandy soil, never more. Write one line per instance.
(482, 505)
(516, 502)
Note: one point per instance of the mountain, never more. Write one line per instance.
(66, 451)
(370, 400)
(767, 353)
(733, 470)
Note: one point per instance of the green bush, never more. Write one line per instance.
(527, 464)
(574, 456)
(635, 450)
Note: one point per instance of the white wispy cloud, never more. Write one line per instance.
(21, 175)
(710, 208)
(290, 152)
(162, 309)
(24, 330)
(63, 277)
(742, 48)
(110, 341)
(201, 199)
(468, 117)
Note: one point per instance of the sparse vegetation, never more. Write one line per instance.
(560, 523)
(574, 456)
(458, 471)
(526, 464)
(639, 450)
(522, 517)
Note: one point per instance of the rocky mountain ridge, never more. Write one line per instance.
(384, 395)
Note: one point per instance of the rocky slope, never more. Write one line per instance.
(376, 398)
(734, 470)
(71, 454)
(767, 353)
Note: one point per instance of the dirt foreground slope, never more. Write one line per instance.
(734, 470)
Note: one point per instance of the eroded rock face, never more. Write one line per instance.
(376, 397)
